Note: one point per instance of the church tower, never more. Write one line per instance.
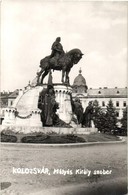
(79, 89)
(79, 84)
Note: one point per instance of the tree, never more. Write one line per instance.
(124, 121)
(111, 117)
(105, 121)
(98, 116)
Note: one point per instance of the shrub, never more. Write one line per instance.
(52, 139)
(34, 139)
(8, 138)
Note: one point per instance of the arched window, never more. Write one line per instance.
(124, 104)
(117, 114)
(117, 104)
(103, 103)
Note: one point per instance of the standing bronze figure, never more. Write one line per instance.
(88, 115)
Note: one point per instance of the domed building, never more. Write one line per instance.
(79, 84)
(79, 89)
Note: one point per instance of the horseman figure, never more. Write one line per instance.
(57, 50)
(59, 60)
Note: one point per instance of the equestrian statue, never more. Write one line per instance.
(59, 60)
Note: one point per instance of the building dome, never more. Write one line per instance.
(79, 84)
(79, 80)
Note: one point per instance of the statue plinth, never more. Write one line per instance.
(62, 93)
(25, 110)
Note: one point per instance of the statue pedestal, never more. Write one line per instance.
(62, 93)
(25, 112)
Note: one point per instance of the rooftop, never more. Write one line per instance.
(107, 92)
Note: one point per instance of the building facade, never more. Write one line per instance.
(102, 95)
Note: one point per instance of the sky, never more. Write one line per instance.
(97, 28)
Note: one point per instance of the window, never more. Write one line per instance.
(99, 92)
(117, 114)
(124, 104)
(11, 102)
(103, 103)
(117, 104)
(118, 92)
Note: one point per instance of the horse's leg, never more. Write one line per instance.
(43, 75)
(39, 75)
(63, 74)
(67, 77)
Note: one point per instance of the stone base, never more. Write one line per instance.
(31, 120)
(58, 130)
(26, 107)
(62, 93)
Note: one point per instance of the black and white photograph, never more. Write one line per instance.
(63, 97)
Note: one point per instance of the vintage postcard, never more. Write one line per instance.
(63, 102)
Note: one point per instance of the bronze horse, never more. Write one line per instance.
(64, 63)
